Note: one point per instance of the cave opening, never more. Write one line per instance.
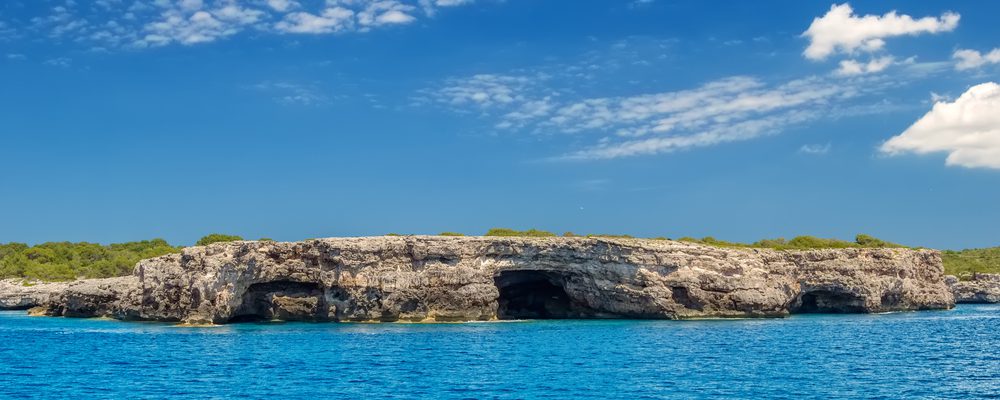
(284, 300)
(529, 294)
(829, 302)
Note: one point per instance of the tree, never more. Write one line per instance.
(217, 238)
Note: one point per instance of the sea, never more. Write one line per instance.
(952, 354)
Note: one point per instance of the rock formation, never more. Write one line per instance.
(982, 288)
(421, 278)
(16, 295)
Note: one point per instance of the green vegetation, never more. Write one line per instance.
(799, 243)
(511, 232)
(602, 235)
(967, 262)
(451, 234)
(217, 238)
(62, 261)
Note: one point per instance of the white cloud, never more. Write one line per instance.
(968, 59)
(717, 134)
(331, 20)
(840, 30)
(190, 23)
(111, 24)
(291, 93)
(726, 110)
(935, 97)
(484, 91)
(451, 3)
(16, 56)
(854, 67)
(61, 62)
(282, 5)
(190, 5)
(394, 17)
(815, 149)
(967, 129)
(384, 12)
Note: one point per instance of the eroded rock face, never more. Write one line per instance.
(16, 295)
(421, 278)
(981, 289)
(111, 297)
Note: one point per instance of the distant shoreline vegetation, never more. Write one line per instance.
(64, 261)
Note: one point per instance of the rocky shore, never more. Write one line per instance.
(429, 278)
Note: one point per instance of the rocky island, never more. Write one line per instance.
(429, 278)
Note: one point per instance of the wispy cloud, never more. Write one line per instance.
(153, 23)
(853, 67)
(486, 91)
(292, 93)
(61, 62)
(815, 149)
(969, 59)
(725, 110)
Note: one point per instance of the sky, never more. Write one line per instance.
(290, 119)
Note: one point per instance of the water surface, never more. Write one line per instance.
(941, 354)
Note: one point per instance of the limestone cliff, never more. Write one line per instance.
(982, 288)
(419, 278)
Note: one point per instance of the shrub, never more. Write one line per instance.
(965, 263)
(217, 238)
(812, 242)
(871, 241)
(60, 261)
(451, 234)
(511, 232)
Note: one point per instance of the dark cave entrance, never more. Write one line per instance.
(284, 300)
(528, 294)
(828, 302)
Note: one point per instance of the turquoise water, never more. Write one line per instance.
(943, 354)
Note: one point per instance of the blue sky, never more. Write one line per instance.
(132, 119)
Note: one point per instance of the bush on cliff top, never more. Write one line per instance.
(965, 263)
(217, 238)
(799, 243)
(510, 232)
